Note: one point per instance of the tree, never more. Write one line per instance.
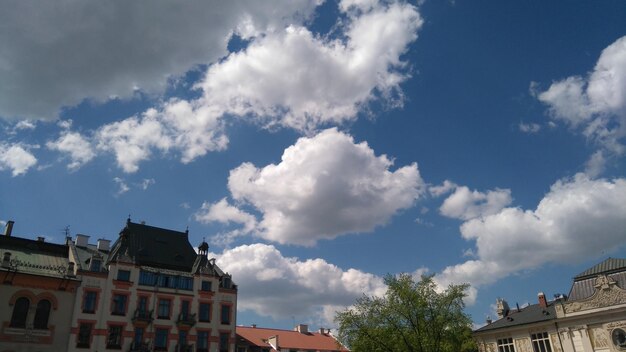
(412, 316)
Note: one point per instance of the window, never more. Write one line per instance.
(142, 304)
(185, 283)
(506, 345)
(184, 310)
(541, 342)
(204, 312)
(96, 264)
(226, 283)
(123, 275)
(114, 339)
(147, 278)
(89, 302)
(138, 340)
(224, 343)
(164, 309)
(206, 286)
(42, 314)
(202, 341)
(20, 311)
(225, 315)
(182, 338)
(119, 305)
(84, 335)
(160, 339)
(618, 336)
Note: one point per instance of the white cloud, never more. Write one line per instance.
(595, 104)
(122, 186)
(578, 218)
(25, 125)
(465, 204)
(529, 127)
(293, 78)
(325, 186)
(121, 47)
(76, 146)
(596, 164)
(17, 158)
(225, 213)
(444, 188)
(273, 285)
(147, 182)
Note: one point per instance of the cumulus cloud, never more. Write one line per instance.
(77, 147)
(465, 204)
(295, 78)
(577, 218)
(17, 158)
(269, 282)
(225, 213)
(120, 48)
(147, 182)
(596, 104)
(324, 186)
(529, 128)
(446, 187)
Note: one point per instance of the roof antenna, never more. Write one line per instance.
(187, 231)
(128, 220)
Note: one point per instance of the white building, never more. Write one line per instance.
(591, 318)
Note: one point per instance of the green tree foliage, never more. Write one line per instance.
(412, 316)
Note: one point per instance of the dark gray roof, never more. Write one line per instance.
(527, 315)
(35, 257)
(610, 265)
(584, 283)
(154, 246)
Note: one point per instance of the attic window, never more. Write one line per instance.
(96, 264)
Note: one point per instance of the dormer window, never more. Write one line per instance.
(226, 283)
(95, 265)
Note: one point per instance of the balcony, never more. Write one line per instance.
(186, 319)
(142, 317)
(184, 348)
(139, 347)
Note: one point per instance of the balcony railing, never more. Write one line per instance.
(143, 316)
(186, 319)
(139, 347)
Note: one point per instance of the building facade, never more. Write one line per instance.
(37, 292)
(148, 291)
(591, 318)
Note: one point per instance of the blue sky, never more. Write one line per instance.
(320, 146)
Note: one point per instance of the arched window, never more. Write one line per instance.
(42, 314)
(20, 311)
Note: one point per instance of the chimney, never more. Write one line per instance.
(70, 269)
(322, 331)
(502, 308)
(41, 239)
(6, 260)
(542, 300)
(302, 328)
(273, 341)
(488, 320)
(8, 228)
(103, 244)
(254, 326)
(82, 240)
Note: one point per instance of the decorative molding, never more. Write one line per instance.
(599, 338)
(607, 294)
(523, 345)
(556, 343)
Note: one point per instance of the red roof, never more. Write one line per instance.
(289, 339)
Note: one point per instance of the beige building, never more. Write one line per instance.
(150, 291)
(36, 295)
(591, 318)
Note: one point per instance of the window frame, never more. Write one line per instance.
(42, 315)
(156, 338)
(208, 305)
(541, 342)
(169, 308)
(505, 344)
(89, 328)
(20, 321)
(230, 312)
(123, 275)
(120, 337)
(115, 304)
(85, 301)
